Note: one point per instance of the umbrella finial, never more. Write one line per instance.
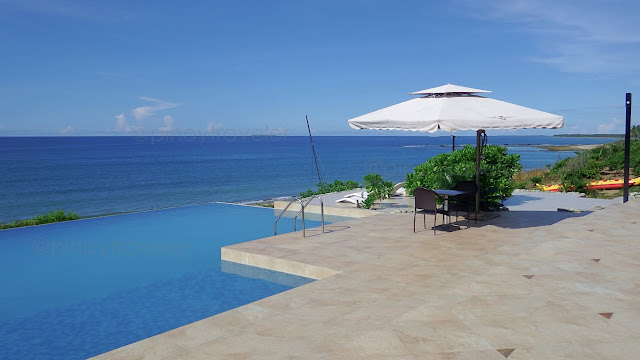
(449, 89)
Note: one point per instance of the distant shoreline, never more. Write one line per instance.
(568, 147)
(615, 136)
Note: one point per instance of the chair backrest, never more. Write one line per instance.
(425, 199)
(468, 186)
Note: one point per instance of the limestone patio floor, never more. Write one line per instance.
(525, 285)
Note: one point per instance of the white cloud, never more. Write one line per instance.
(121, 124)
(168, 123)
(573, 36)
(143, 112)
(615, 126)
(69, 129)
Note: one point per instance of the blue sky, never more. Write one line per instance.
(144, 67)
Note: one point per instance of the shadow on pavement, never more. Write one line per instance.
(530, 219)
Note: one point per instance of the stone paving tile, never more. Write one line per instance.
(458, 295)
(148, 349)
(439, 336)
(560, 352)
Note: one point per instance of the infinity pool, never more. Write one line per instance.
(77, 289)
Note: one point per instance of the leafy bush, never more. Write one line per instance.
(50, 217)
(520, 184)
(635, 132)
(535, 179)
(571, 170)
(377, 188)
(574, 173)
(336, 186)
(612, 155)
(445, 170)
(529, 178)
(573, 182)
(307, 193)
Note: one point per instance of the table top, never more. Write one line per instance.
(446, 192)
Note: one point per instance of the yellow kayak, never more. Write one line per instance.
(549, 187)
(609, 184)
(600, 185)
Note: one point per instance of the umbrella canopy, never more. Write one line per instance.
(451, 108)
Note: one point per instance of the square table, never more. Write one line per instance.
(445, 193)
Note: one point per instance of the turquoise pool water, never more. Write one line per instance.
(77, 289)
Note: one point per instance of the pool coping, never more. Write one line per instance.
(262, 261)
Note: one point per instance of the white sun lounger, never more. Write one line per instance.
(355, 198)
(398, 190)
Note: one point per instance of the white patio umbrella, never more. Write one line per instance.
(451, 108)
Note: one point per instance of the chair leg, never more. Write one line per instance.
(414, 221)
(424, 221)
(435, 216)
(475, 220)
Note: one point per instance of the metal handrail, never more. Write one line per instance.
(275, 224)
(295, 218)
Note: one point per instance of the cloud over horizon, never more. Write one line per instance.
(614, 126)
(121, 124)
(67, 130)
(168, 123)
(143, 112)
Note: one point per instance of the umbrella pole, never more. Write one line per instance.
(478, 157)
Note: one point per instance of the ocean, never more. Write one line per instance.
(105, 175)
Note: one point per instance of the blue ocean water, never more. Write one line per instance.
(101, 175)
(76, 289)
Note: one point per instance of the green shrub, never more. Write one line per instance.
(582, 166)
(574, 173)
(520, 184)
(445, 170)
(535, 179)
(50, 217)
(377, 188)
(612, 155)
(325, 188)
(307, 193)
(573, 182)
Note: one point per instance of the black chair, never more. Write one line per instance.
(425, 200)
(465, 202)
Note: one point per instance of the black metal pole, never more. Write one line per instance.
(478, 164)
(627, 150)
(313, 149)
(453, 146)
